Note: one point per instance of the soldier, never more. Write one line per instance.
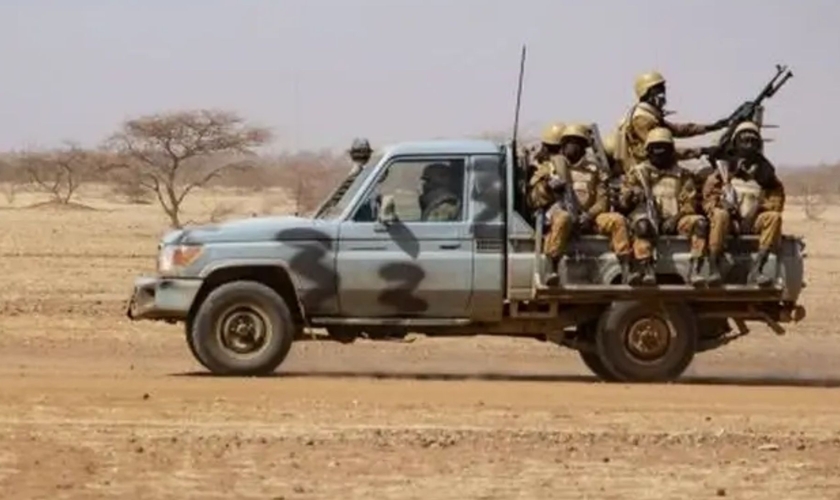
(360, 152)
(649, 113)
(674, 198)
(574, 190)
(759, 204)
(439, 202)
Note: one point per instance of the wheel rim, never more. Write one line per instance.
(648, 339)
(244, 330)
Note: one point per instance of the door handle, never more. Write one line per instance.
(369, 248)
(450, 246)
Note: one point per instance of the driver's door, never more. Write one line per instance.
(412, 267)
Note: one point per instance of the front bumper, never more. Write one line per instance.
(157, 298)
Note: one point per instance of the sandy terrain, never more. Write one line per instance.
(94, 406)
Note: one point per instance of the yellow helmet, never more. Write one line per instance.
(553, 133)
(576, 130)
(659, 135)
(746, 126)
(646, 81)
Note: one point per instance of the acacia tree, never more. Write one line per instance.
(60, 172)
(174, 153)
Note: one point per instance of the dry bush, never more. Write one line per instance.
(814, 204)
(60, 172)
(222, 211)
(171, 154)
(308, 177)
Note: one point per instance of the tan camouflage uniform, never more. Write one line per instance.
(644, 117)
(675, 193)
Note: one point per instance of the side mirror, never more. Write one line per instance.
(387, 213)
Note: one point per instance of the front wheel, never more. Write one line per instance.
(646, 342)
(242, 328)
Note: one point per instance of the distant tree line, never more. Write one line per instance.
(164, 157)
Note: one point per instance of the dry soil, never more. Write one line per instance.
(94, 406)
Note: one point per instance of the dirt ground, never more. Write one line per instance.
(94, 406)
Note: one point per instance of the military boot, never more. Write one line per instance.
(756, 277)
(624, 262)
(648, 274)
(715, 278)
(553, 279)
(635, 277)
(694, 275)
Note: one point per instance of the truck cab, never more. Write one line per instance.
(380, 258)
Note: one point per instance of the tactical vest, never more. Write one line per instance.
(584, 183)
(665, 186)
(627, 144)
(749, 196)
(539, 194)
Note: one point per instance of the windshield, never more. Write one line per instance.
(340, 198)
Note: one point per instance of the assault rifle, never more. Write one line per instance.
(748, 111)
(751, 110)
(650, 206)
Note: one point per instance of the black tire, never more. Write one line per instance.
(188, 337)
(596, 366)
(669, 330)
(247, 302)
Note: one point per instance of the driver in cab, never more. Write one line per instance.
(439, 202)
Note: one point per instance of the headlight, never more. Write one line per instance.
(174, 258)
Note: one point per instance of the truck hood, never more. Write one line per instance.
(255, 229)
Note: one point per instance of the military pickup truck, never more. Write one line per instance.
(371, 264)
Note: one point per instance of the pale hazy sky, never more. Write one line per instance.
(320, 72)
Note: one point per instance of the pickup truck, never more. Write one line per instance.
(370, 264)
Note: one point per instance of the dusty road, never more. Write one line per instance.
(93, 406)
(124, 419)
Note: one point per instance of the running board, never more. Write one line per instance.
(600, 293)
(328, 321)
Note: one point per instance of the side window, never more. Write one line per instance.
(424, 190)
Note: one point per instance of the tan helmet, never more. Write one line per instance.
(745, 127)
(659, 135)
(576, 130)
(553, 133)
(646, 81)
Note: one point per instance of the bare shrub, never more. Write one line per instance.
(308, 177)
(222, 211)
(60, 172)
(174, 153)
(814, 205)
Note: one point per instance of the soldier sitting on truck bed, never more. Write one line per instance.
(672, 190)
(438, 200)
(760, 199)
(574, 191)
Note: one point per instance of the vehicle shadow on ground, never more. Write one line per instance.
(741, 380)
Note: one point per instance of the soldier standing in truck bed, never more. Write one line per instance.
(649, 113)
(568, 177)
(675, 200)
(760, 199)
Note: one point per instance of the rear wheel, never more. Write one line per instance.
(596, 366)
(646, 342)
(242, 328)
